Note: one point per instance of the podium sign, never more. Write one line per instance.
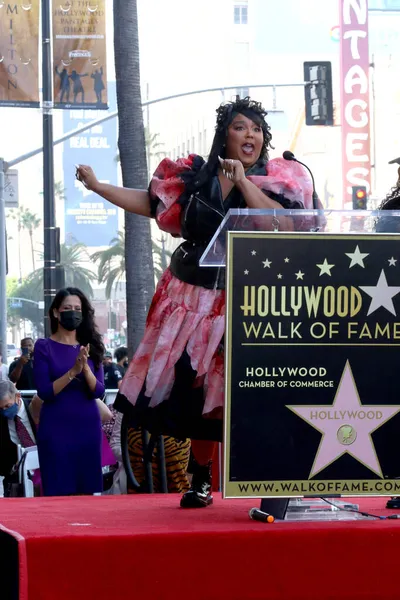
(312, 358)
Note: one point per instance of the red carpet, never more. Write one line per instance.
(146, 547)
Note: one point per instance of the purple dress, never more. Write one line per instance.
(69, 436)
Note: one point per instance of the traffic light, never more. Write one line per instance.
(359, 197)
(318, 93)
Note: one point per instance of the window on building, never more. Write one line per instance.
(183, 150)
(240, 13)
(200, 143)
(193, 144)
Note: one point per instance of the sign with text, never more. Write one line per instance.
(90, 219)
(312, 352)
(355, 103)
(11, 188)
(19, 54)
(79, 54)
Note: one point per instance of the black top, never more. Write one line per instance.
(202, 213)
(26, 380)
(112, 376)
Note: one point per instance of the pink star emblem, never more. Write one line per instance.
(346, 426)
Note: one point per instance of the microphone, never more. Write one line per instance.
(287, 155)
(258, 515)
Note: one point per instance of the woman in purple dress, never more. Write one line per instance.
(69, 377)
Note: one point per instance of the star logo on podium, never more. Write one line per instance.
(346, 426)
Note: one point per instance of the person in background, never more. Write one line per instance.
(21, 369)
(112, 373)
(3, 369)
(69, 377)
(390, 224)
(16, 428)
(121, 358)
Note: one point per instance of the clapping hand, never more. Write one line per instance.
(81, 363)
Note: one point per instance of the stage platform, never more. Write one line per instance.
(134, 547)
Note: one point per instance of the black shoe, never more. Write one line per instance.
(199, 494)
(393, 502)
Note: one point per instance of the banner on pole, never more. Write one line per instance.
(89, 219)
(19, 54)
(79, 54)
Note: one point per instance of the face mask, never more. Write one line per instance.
(126, 363)
(11, 412)
(70, 319)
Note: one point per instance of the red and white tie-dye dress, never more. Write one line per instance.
(190, 318)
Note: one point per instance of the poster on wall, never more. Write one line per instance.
(79, 54)
(19, 54)
(89, 219)
(312, 347)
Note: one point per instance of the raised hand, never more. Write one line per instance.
(85, 175)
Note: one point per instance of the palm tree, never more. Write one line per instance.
(111, 267)
(161, 257)
(30, 221)
(16, 216)
(71, 259)
(59, 190)
(132, 150)
(153, 147)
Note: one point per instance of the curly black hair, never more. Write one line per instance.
(249, 108)
(225, 115)
(389, 224)
(392, 200)
(87, 332)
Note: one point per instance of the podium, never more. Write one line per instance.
(312, 347)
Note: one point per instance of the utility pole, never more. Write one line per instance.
(49, 218)
(3, 268)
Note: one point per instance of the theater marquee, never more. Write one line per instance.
(312, 355)
(355, 103)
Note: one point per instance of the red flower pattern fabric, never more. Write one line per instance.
(192, 317)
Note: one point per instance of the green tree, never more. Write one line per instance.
(30, 289)
(161, 257)
(16, 216)
(72, 258)
(111, 263)
(153, 146)
(30, 221)
(59, 190)
(132, 150)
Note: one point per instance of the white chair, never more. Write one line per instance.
(30, 462)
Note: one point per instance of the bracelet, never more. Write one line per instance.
(69, 376)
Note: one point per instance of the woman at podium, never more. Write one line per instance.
(175, 382)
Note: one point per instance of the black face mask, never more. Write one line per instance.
(70, 319)
(126, 363)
